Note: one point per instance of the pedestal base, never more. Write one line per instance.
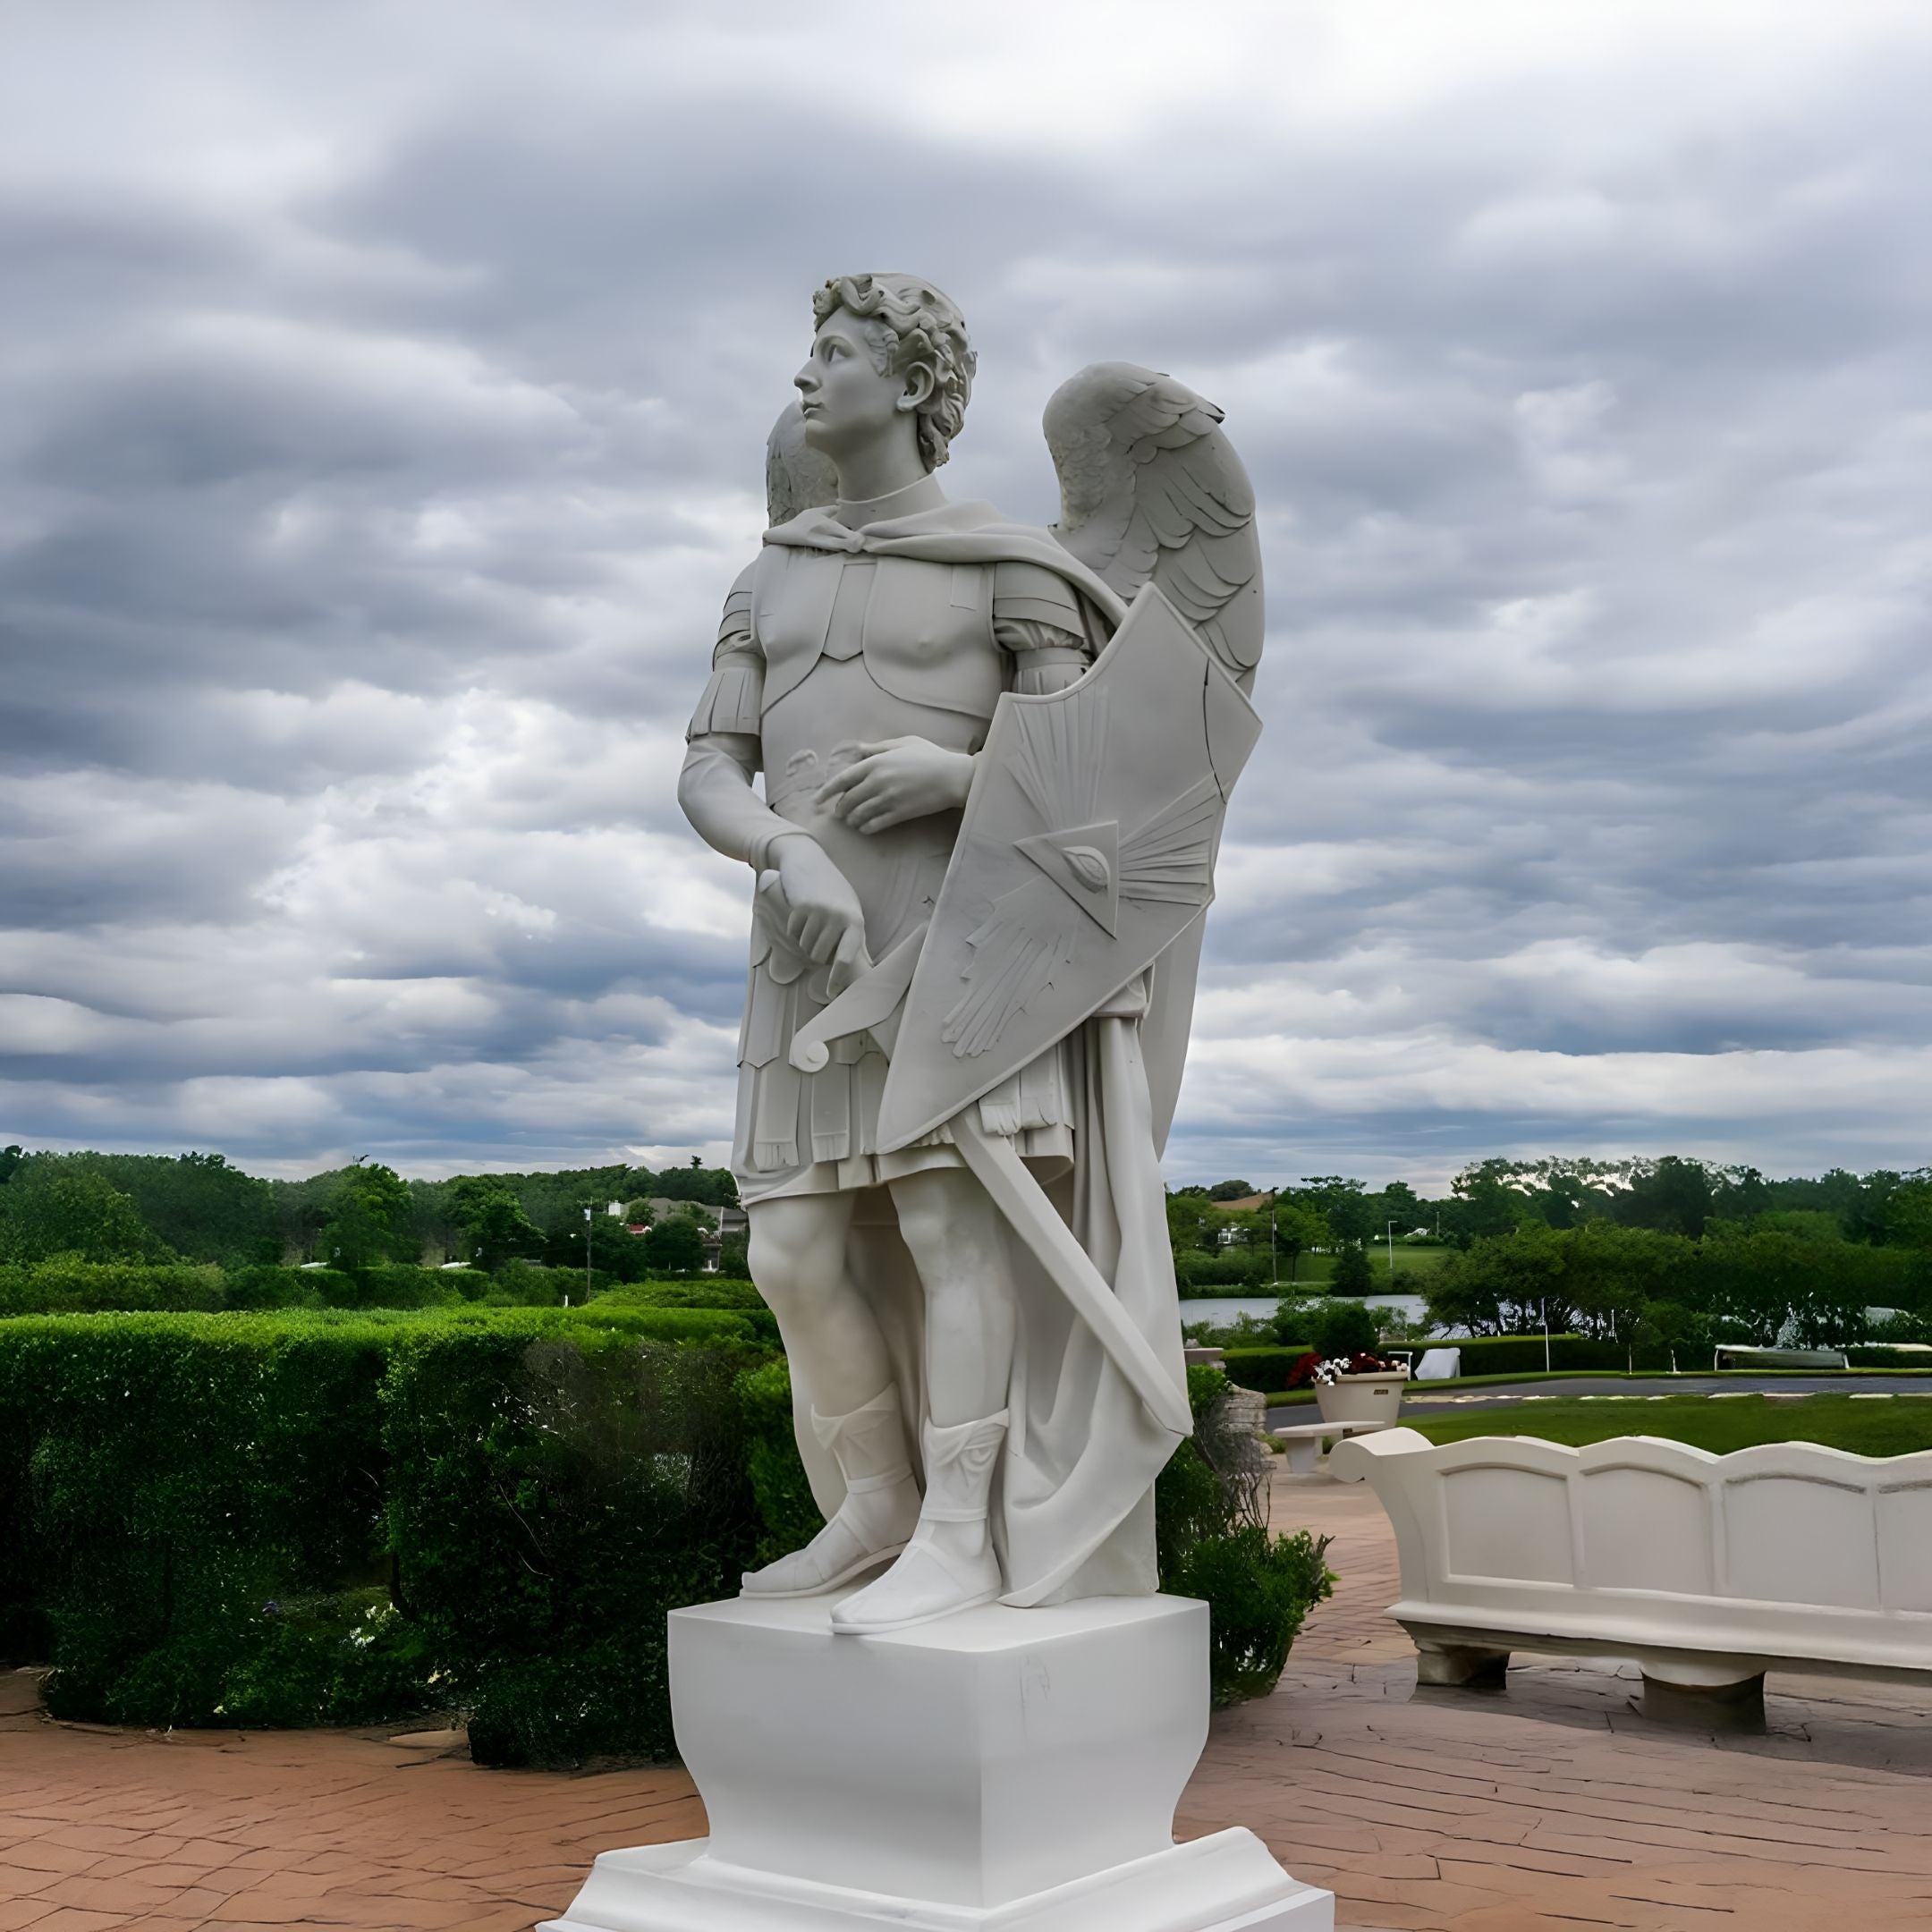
(998, 1771)
(1227, 1882)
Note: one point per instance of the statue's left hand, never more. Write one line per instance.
(897, 779)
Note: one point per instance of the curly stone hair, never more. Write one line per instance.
(913, 323)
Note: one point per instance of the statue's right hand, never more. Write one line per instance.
(823, 918)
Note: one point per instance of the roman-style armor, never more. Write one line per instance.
(831, 641)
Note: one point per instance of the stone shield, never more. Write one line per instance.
(1087, 847)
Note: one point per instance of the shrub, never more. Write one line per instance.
(1213, 1544)
(69, 1285)
(1352, 1275)
(1199, 1271)
(1341, 1327)
(556, 1490)
(1263, 1369)
(1524, 1354)
(183, 1472)
(1260, 1589)
(787, 1513)
(702, 1291)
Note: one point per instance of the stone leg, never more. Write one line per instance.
(1303, 1453)
(1462, 1665)
(1720, 1695)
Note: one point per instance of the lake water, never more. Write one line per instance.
(1220, 1308)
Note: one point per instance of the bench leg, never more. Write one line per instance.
(1302, 1453)
(1460, 1664)
(1736, 1707)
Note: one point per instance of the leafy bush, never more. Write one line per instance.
(1352, 1273)
(789, 1517)
(171, 1476)
(554, 1490)
(1524, 1354)
(1199, 1271)
(68, 1285)
(1341, 1327)
(1263, 1369)
(1260, 1589)
(1214, 1543)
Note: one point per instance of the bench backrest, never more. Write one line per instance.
(1805, 1550)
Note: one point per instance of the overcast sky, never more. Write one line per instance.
(382, 401)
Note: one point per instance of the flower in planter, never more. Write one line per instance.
(1330, 1373)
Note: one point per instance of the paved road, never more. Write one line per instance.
(1509, 1395)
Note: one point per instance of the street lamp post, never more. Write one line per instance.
(1390, 1232)
(587, 1256)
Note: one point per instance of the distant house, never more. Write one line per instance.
(719, 1224)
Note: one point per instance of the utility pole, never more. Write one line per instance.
(587, 1256)
(1391, 1231)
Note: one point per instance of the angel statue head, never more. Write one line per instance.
(890, 357)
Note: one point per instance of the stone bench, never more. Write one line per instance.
(1705, 1571)
(1306, 1443)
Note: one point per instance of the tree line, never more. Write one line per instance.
(199, 1208)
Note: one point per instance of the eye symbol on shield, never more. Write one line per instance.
(1088, 865)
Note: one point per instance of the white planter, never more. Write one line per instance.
(1360, 1398)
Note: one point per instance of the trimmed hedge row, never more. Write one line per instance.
(200, 1511)
(68, 1285)
(1267, 1369)
(1263, 1369)
(347, 1517)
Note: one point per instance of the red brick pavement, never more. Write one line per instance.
(1547, 1807)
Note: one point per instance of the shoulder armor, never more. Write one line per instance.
(1030, 593)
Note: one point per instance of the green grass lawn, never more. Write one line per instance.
(1312, 1269)
(1867, 1426)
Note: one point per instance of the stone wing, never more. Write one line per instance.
(1152, 492)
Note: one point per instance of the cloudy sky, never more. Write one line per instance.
(382, 399)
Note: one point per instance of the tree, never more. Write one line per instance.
(676, 1243)
(1672, 1195)
(10, 1158)
(73, 1212)
(1298, 1227)
(369, 1222)
(1501, 1285)
(733, 1259)
(1225, 1191)
(1191, 1220)
(495, 1227)
(1352, 1275)
(1348, 1210)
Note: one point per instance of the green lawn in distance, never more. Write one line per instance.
(1313, 1269)
(1866, 1427)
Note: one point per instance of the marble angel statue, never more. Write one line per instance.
(995, 761)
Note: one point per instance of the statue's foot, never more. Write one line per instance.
(870, 1528)
(946, 1567)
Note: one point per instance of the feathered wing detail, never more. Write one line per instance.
(1152, 491)
(797, 478)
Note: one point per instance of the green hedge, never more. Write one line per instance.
(343, 1516)
(1263, 1369)
(554, 1491)
(1524, 1354)
(194, 1507)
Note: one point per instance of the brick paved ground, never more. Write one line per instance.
(1543, 1808)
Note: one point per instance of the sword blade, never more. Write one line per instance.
(1024, 1203)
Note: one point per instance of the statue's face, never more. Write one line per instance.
(847, 402)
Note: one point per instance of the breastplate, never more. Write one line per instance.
(924, 629)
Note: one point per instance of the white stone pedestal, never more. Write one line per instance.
(998, 1771)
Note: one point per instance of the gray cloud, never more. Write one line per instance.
(381, 419)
